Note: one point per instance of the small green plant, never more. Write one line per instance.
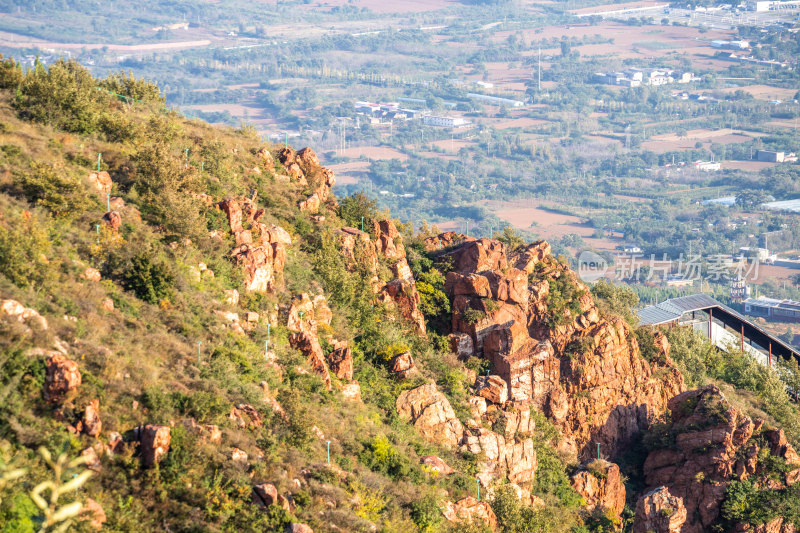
(58, 516)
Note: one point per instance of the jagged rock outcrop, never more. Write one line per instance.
(112, 220)
(469, 510)
(155, 443)
(246, 416)
(512, 458)
(431, 414)
(713, 445)
(658, 511)
(63, 377)
(402, 365)
(260, 250)
(600, 485)
(536, 322)
(445, 240)
(360, 249)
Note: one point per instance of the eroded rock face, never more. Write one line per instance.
(445, 240)
(600, 485)
(112, 220)
(403, 292)
(469, 510)
(63, 377)
(403, 365)
(493, 388)
(583, 370)
(512, 458)
(714, 444)
(431, 414)
(155, 442)
(658, 511)
(437, 465)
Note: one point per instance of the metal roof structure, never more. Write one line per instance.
(672, 310)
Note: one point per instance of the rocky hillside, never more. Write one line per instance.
(197, 335)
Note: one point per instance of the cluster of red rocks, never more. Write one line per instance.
(714, 444)
(365, 249)
(260, 249)
(304, 169)
(304, 317)
(582, 369)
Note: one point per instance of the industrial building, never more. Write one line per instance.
(770, 156)
(770, 308)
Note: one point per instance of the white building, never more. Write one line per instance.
(445, 122)
(707, 166)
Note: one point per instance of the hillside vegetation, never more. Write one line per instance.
(195, 316)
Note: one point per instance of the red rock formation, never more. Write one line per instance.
(714, 444)
(113, 220)
(445, 240)
(265, 156)
(92, 425)
(403, 365)
(101, 181)
(600, 485)
(477, 256)
(340, 361)
(62, 378)
(388, 243)
(431, 414)
(309, 346)
(260, 250)
(436, 464)
(493, 388)
(585, 371)
(403, 292)
(266, 494)
(469, 510)
(155, 441)
(352, 392)
(659, 512)
(246, 416)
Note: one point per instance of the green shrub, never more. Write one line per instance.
(148, 278)
(353, 208)
(426, 513)
(55, 189)
(63, 95)
(24, 249)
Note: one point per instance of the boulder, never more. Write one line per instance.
(493, 388)
(14, 310)
(296, 527)
(91, 274)
(92, 425)
(62, 378)
(478, 256)
(265, 156)
(658, 511)
(340, 361)
(431, 414)
(266, 494)
(310, 204)
(307, 159)
(239, 456)
(155, 442)
(112, 220)
(101, 182)
(444, 240)
(469, 510)
(403, 365)
(93, 514)
(437, 465)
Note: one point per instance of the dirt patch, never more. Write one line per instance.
(765, 92)
(374, 152)
(13, 40)
(753, 166)
(617, 7)
(672, 141)
(379, 6)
